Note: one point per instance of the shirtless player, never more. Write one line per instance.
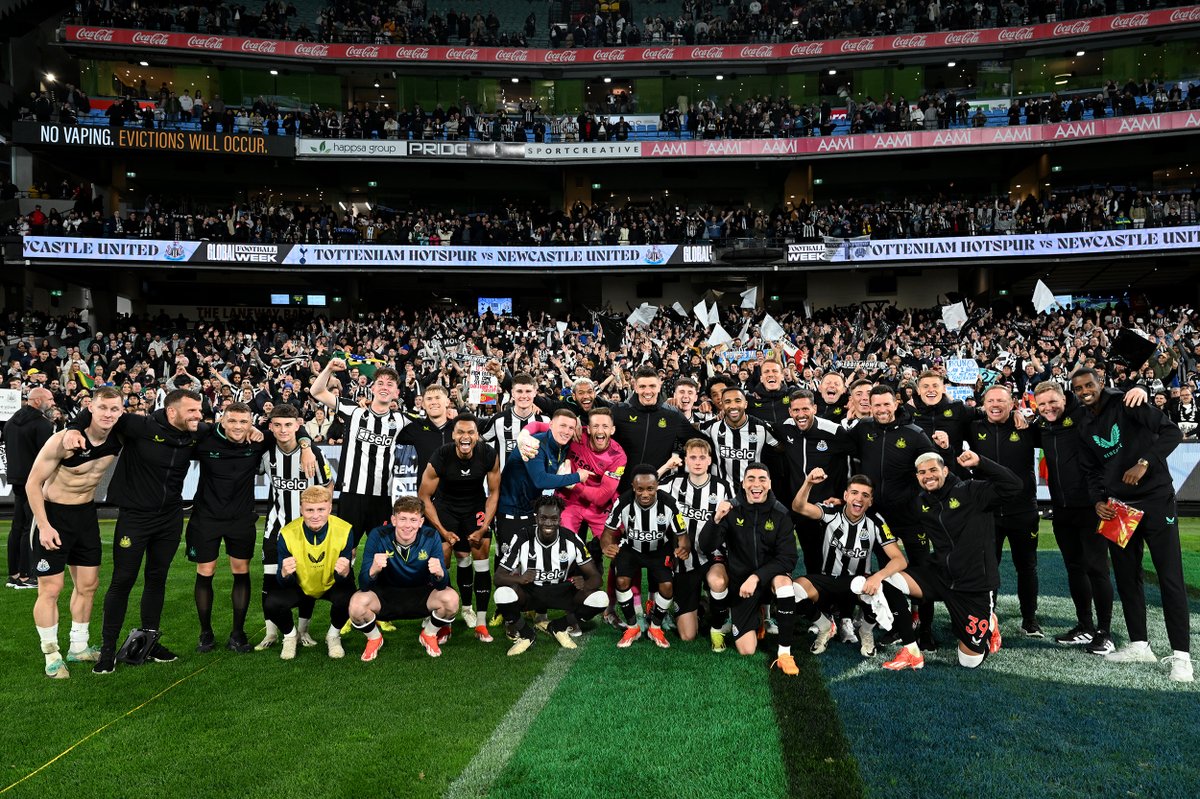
(66, 534)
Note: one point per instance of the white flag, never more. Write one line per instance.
(750, 298)
(954, 316)
(743, 336)
(679, 309)
(1043, 298)
(562, 327)
(714, 317)
(718, 337)
(772, 330)
(701, 312)
(643, 315)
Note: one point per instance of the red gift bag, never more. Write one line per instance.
(1119, 529)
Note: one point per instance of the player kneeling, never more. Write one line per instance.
(759, 540)
(314, 560)
(403, 576)
(534, 574)
(852, 533)
(957, 518)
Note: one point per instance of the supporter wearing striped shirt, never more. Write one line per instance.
(368, 448)
(700, 497)
(651, 531)
(852, 533)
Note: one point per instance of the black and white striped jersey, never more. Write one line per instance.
(287, 482)
(697, 504)
(551, 563)
(847, 547)
(505, 427)
(647, 529)
(369, 449)
(735, 448)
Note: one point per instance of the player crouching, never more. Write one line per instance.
(851, 533)
(314, 560)
(534, 574)
(403, 576)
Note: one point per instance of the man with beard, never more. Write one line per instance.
(452, 490)
(886, 448)
(738, 439)
(1125, 458)
(958, 516)
(810, 442)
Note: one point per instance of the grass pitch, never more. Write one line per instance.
(1036, 720)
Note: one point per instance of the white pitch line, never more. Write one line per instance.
(493, 756)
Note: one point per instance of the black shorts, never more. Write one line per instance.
(970, 611)
(204, 536)
(551, 596)
(687, 588)
(78, 535)
(832, 590)
(658, 564)
(744, 613)
(462, 523)
(364, 512)
(396, 602)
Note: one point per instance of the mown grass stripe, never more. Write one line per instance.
(493, 756)
(816, 752)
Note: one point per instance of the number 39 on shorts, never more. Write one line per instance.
(977, 625)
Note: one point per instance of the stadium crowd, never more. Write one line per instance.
(728, 118)
(740, 414)
(700, 21)
(273, 220)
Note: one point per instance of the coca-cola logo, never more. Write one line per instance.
(412, 53)
(258, 46)
(155, 39)
(1072, 28)
(858, 46)
(1015, 34)
(1126, 21)
(963, 37)
(812, 48)
(1186, 14)
(608, 55)
(210, 43)
(708, 52)
(658, 54)
(313, 50)
(763, 51)
(559, 57)
(519, 56)
(369, 51)
(94, 35)
(463, 54)
(905, 42)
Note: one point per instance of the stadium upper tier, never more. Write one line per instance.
(625, 37)
(610, 24)
(735, 118)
